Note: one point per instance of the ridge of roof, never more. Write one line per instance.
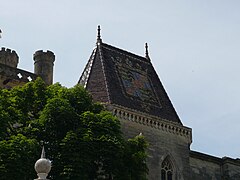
(125, 52)
(104, 71)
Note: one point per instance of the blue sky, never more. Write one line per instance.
(194, 47)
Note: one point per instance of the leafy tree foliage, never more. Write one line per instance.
(17, 155)
(81, 138)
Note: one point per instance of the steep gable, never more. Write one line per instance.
(115, 76)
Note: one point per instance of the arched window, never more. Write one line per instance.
(167, 169)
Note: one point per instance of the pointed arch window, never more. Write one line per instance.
(167, 169)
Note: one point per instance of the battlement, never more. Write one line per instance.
(8, 50)
(9, 57)
(46, 56)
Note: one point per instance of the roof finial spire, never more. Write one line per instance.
(99, 40)
(43, 153)
(146, 51)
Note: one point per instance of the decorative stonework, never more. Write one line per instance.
(151, 121)
(167, 171)
(84, 78)
(16, 73)
(10, 76)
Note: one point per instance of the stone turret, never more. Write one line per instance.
(43, 65)
(9, 57)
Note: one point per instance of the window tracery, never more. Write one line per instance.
(167, 170)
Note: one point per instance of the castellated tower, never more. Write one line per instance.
(43, 65)
(9, 57)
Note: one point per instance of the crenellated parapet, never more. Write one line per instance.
(11, 76)
(127, 114)
(46, 56)
(9, 57)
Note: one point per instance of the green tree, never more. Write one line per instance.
(81, 138)
(17, 157)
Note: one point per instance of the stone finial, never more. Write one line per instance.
(146, 51)
(42, 167)
(0, 33)
(99, 40)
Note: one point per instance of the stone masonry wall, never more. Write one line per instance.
(162, 143)
(204, 170)
(206, 167)
(231, 171)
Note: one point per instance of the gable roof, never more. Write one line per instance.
(115, 76)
